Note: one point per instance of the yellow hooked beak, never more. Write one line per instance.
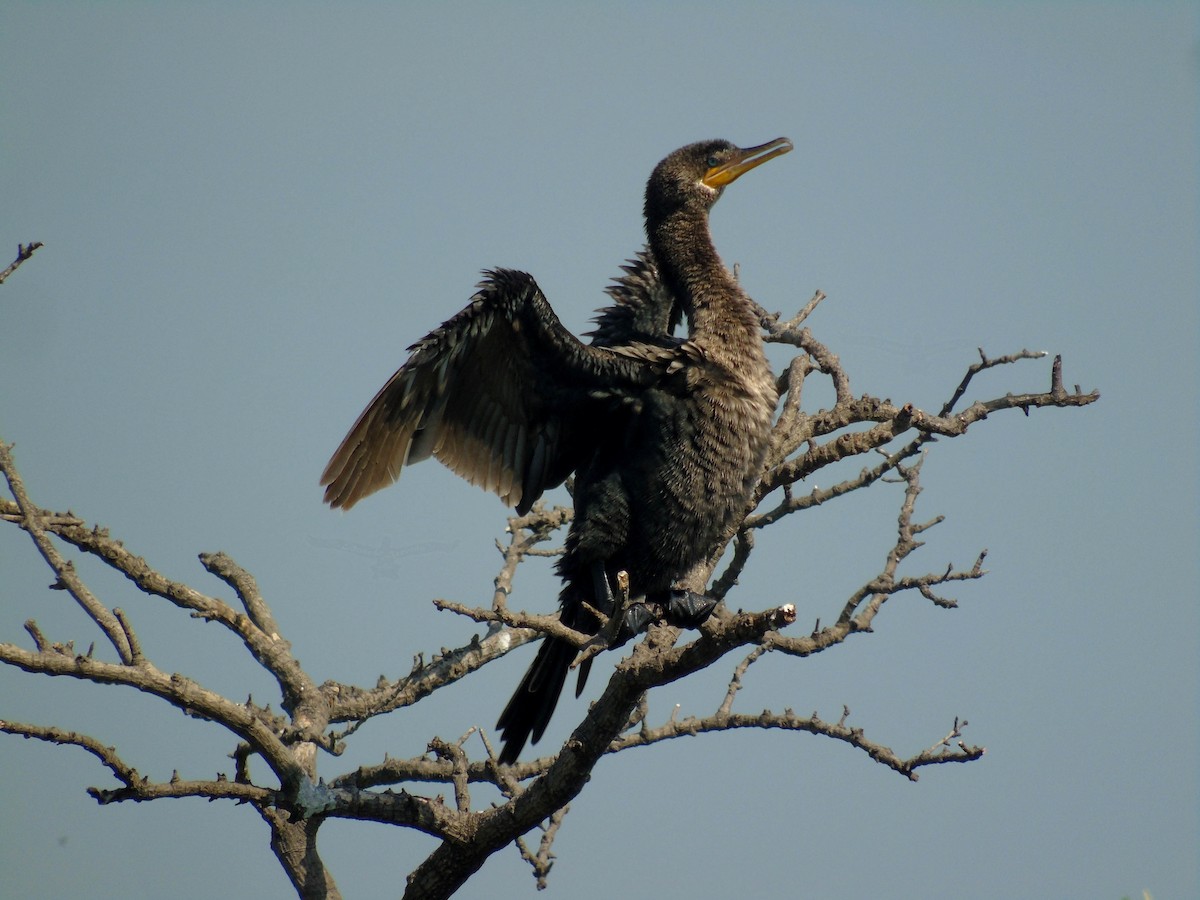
(743, 161)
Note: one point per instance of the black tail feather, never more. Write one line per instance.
(532, 704)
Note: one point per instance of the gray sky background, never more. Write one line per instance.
(250, 210)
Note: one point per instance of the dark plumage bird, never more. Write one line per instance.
(665, 436)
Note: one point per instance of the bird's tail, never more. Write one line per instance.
(532, 704)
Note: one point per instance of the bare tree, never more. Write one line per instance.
(314, 721)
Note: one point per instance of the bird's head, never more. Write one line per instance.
(696, 175)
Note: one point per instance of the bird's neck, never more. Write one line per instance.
(690, 267)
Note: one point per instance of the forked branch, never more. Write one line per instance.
(534, 794)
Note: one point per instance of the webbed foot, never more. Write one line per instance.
(638, 618)
(688, 609)
(685, 609)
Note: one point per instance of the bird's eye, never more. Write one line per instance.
(713, 161)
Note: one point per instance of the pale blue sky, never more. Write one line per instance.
(250, 210)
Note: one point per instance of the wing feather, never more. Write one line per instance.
(643, 308)
(501, 393)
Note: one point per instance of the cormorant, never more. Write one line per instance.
(665, 436)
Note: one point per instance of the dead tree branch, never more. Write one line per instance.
(295, 801)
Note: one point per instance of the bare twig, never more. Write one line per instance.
(795, 429)
(356, 705)
(24, 251)
(176, 689)
(64, 571)
(135, 786)
(536, 793)
(454, 754)
(983, 364)
(542, 861)
(550, 625)
(789, 721)
(246, 588)
(735, 683)
(266, 646)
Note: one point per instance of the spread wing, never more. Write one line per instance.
(643, 308)
(501, 393)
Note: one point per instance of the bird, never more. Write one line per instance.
(665, 435)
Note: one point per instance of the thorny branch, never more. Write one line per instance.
(536, 793)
